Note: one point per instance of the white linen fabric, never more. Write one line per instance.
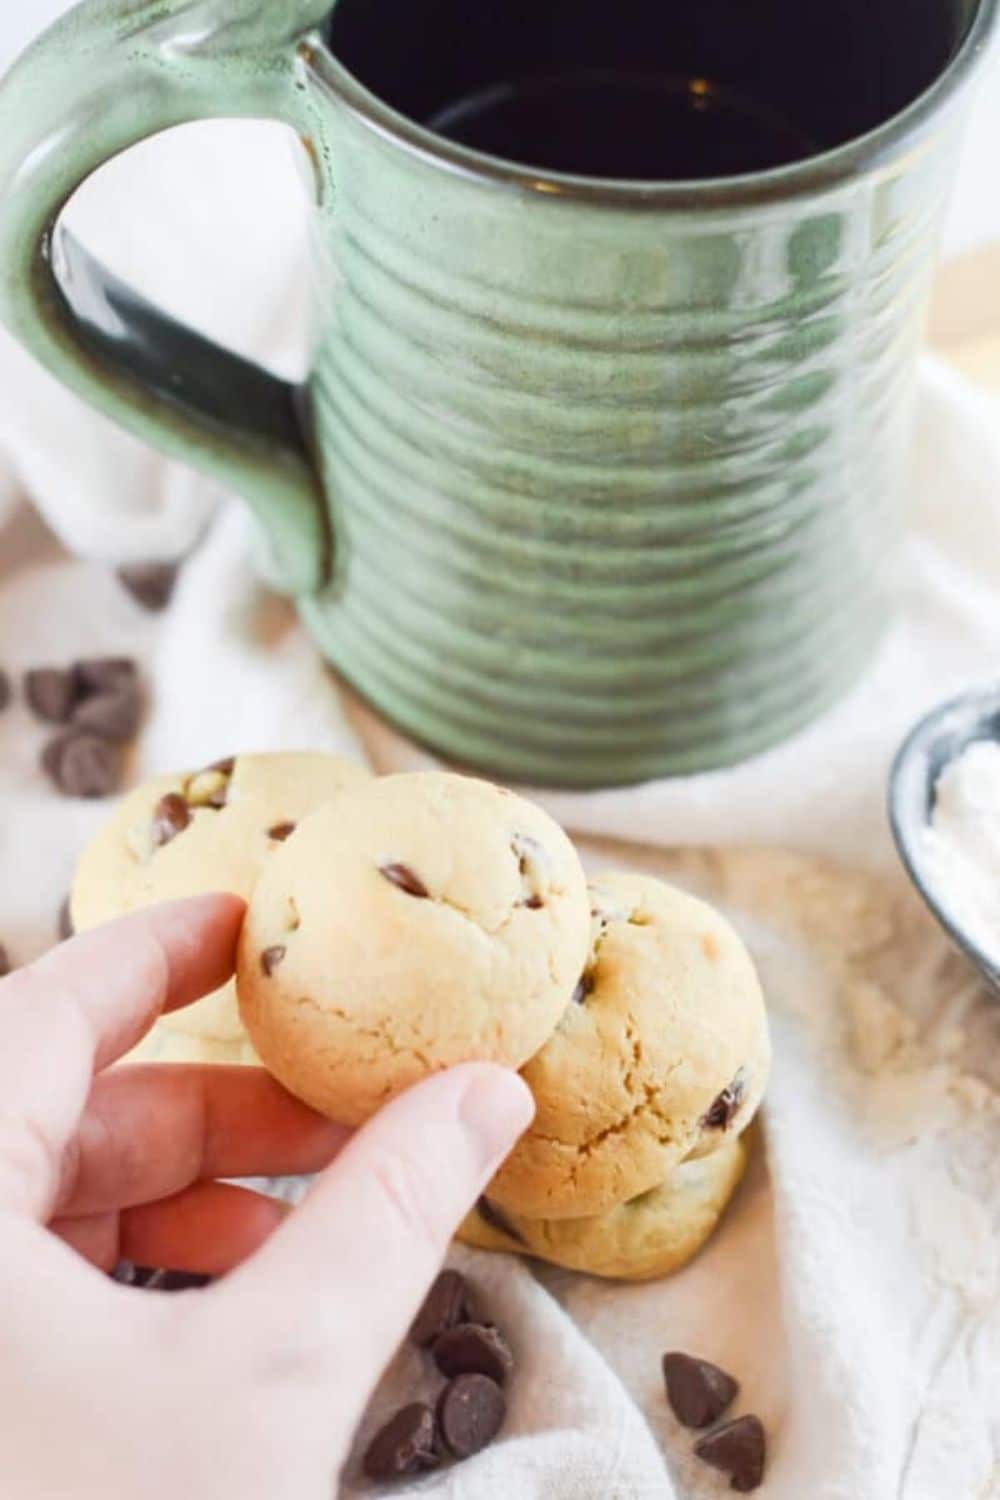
(854, 1287)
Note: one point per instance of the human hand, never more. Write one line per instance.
(254, 1386)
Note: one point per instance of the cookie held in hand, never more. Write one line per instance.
(424, 921)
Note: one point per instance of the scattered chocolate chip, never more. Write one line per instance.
(146, 1279)
(534, 903)
(698, 1392)
(178, 1281)
(271, 958)
(51, 694)
(115, 714)
(739, 1449)
(498, 1220)
(150, 584)
(725, 1108)
(471, 1411)
(227, 766)
(446, 1304)
(403, 877)
(281, 831)
(101, 674)
(170, 817)
(474, 1349)
(406, 1445)
(64, 925)
(5, 964)
(6, 690)
(83, 765)
(584, 989)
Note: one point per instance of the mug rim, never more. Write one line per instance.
(853, 158)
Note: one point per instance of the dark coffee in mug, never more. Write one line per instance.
(649, 89)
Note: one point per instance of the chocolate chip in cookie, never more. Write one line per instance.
(281, 831)
(6, 967)
(170, 817)
(739, 1449)
(584, 989)
(83, 765)
(64, 922)
(698, 1392)
(471, 1411)
(407, 1444)
(726, 1107)
(403, 877)
(446, 1304)
(474, 1349)
(51, 694)
(272, 957)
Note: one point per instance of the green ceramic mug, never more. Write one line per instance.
(594, 479)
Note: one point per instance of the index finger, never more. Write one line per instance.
(79, 1009)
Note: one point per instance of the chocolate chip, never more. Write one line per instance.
(147, 1279)
(281, 831)
(51, 694)
(100, 674)
(6, 691)
(5, 964)
(698, 1392)
(151, 584)
(534, 903)
(446, 1304)
(498, 1220)
(170, 817)
(726, 1107)
(407, 1444)
(471, 1411)
(64, 925)
(115, 714)
(227, 766)
(271, 958)
(177, 1281)
(474, 1349)
(403, 877)
(584, 989)
(739, 1449)
(83, 765)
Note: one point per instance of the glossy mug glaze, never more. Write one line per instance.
(592, 481)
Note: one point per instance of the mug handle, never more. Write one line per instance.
(112, 73)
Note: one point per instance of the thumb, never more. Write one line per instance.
(349, 1269)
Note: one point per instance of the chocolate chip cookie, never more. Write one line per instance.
(208, 830)
(653, 1235)
(425, 921)
(663, 1054)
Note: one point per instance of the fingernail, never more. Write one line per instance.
(496, 1108)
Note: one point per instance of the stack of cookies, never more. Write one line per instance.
(401, 925)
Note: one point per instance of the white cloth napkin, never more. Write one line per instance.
(854, 1289)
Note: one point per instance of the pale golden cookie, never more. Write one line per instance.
(654, 1235)
(663, 1055)
(196, 833)
(425, 921)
